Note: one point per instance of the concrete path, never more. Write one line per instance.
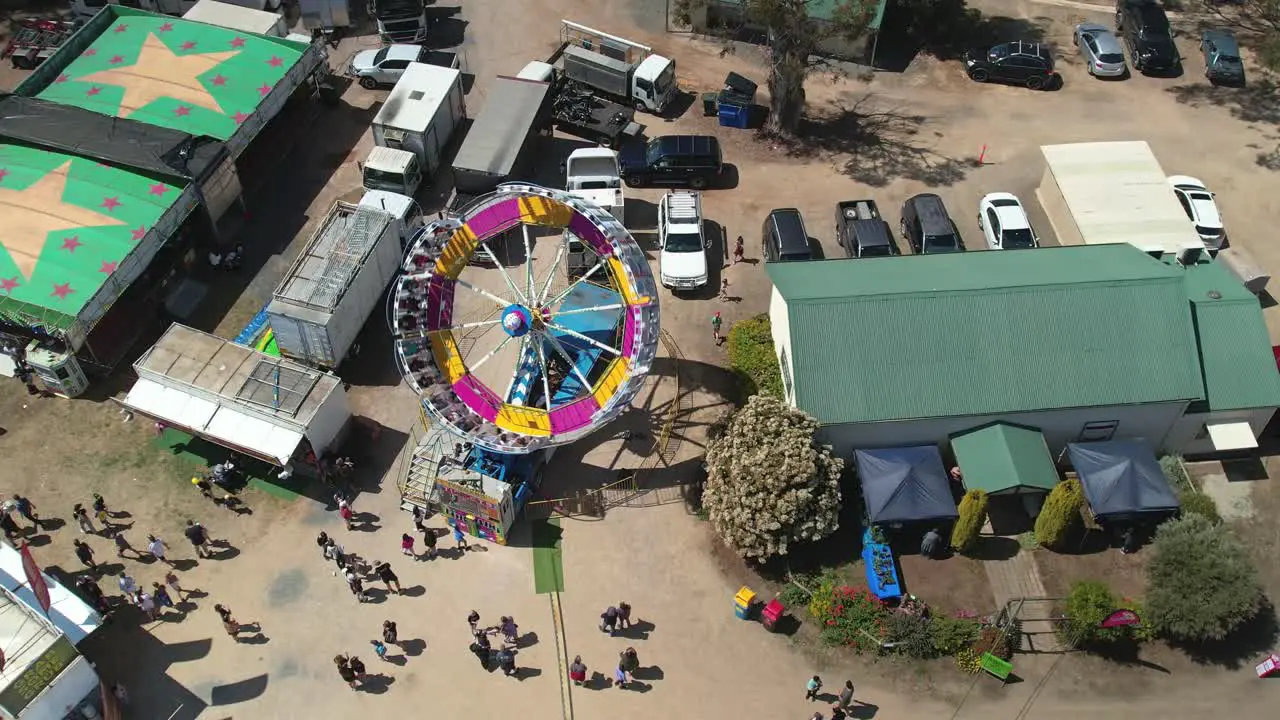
(1017, 578)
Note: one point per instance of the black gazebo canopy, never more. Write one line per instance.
(1121, 478)
(905, 485)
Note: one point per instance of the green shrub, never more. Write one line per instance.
(950, 635)
(849, 617)
(753, 359)
(1175, 472)
(1059, 519)
(1089, 603)
(1201, 583)
(910, 634)
(1194, 501)
(973, 515)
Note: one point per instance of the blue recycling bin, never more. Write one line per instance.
(735, 116)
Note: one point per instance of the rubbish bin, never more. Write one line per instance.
(743, 602)
(735, 116)
(770, 615)
(735, 82)
(709, 104)
(733, 98)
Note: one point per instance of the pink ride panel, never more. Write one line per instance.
(486, 221)
(573, 416)
(591, 235)
(629, 331)
(466, 390)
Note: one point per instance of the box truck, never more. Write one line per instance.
(330, 290)
(238, 17)
(498, 144)
(421, 114)
(618, 68)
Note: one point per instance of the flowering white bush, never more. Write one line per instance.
(768, 483)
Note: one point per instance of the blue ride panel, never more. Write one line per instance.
(600, 326)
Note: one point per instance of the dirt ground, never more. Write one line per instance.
(910, 132)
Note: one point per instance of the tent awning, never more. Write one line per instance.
(1232, 436)
(1122, 477)
(905, 485)
(1001, 458)
(214, 422)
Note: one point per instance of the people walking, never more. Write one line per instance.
(715, 327)
(609, 620)
(578, 670)
(127, 585)
(380, 649)
(123, 546)
(480, 650)
(322, 541)
(344, 671)
(90, 591)
(85, 554)
(27, 510)
(507, 661)
(838, 713)
(171, 579)
(624, 614)
(357, 586)
(198, 536)
(390, 635)
(739, 250)
(357, 667)
(161, 595)
(406, 545)
(420, 520)
(344, 510)
(510, 632)
(386, 575)
(620, 678)
(229, 623)
(100, 508)
(846, 694)
(812, 688)
(629, 659)
(460, 538)
(82, 519)
(429, 543)
(157, 548)
(147, 604)
(11, 529)
(473, 619)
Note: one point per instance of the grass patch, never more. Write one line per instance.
(548, 562)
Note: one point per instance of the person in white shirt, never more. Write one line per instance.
(157, 548)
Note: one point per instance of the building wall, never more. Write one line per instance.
(1151, 423)
(1055, 206)
(1189, 435)
(719, 14)
(780, 326)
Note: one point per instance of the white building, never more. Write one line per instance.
(1082, 343)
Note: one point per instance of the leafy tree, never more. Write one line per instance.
(1089, 603)
(1194, 501)
(752, 357)
(794, 37)
(768, 483)
(973, 515)
(1201, 584)
(1060, 516)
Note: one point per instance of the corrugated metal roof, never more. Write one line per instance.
(1003, 457)
(1117, 193)
(1235, 348)
(987, 333)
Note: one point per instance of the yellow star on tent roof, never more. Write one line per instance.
(31, 214)
(161, 73)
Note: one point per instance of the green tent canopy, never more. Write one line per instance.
(1004, 458)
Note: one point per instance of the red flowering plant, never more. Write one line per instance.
(850, 617)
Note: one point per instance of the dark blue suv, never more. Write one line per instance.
(682, 160)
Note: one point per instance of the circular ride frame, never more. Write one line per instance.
(428, 353)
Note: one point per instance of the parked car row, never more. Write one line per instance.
(1142, 30)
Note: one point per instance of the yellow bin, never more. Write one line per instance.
(745, 597)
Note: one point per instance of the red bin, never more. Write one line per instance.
(770, 615)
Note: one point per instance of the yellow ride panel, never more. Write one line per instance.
(530, 421)
(456, 253)
(537, 210)
(445, 350)
(609, 382)
(620, 279)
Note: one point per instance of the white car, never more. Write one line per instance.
(384, 66)
(1200, 206)
(1004, 223)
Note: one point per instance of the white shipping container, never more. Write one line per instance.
(324, 300)
(421, 113)
(237, 16)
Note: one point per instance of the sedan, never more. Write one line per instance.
(1201, 208)
(1004, 223)
(1101, 49)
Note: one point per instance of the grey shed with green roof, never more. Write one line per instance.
(1085, 343)
(1004, 459)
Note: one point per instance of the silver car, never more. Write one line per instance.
(1103, 55)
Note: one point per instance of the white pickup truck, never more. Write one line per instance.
(593, 174)
(682, 258)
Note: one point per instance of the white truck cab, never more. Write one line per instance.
(404, 209)
(654, 83)
(396, 171)
(593, 174)
(682, 257)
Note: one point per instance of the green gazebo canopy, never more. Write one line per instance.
(1005, 458)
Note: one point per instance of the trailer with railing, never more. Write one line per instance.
(34, 40)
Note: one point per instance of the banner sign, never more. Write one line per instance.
(34, 579)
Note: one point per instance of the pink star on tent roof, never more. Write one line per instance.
(93, 90)
(71, 243)
(219, 81)
(62, 291)
(138, 233)
(275, 61)
(240, 117)
(237, 42)
(188, 45)
(121, 28)
(166, 27)
(182, 111)
(3, 174)
(8, 284)
(110, 203)
(62, 78)
(107, 267)
(117, 59)
(159, 189)
(90, 52)
(264, 89)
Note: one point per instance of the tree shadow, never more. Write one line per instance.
(1257, 104)
(1242, 646)
(876, 144)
